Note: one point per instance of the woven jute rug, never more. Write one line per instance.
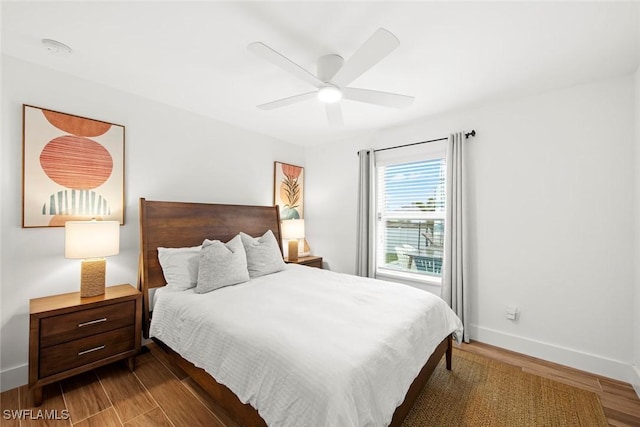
(483, 392)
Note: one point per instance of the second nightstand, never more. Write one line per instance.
(310, 261)
(69, 334)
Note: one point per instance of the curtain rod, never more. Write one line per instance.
(466, 135)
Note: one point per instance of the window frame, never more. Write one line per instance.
(413, 154)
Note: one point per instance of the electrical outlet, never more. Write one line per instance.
(512, 312)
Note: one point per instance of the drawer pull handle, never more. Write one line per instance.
(91, 350)
(92, 322)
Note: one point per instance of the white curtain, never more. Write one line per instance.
(454, 279)
(365, 224)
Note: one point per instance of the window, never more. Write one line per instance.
(410, 210)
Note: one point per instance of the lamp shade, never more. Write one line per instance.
(91, 239)
(293, 229)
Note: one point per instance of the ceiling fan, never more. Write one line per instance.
(334, 74)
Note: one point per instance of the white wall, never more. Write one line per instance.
(331, 189)
(636, 329)
(551, 209)
(170, 154)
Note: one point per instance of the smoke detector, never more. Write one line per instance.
(55, 47)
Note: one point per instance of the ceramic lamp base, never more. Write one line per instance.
(293, 250)
(92, 277)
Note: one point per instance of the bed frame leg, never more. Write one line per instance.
(449, 352)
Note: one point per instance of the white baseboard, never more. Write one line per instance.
(636, 381)
(592, 363)
(14, 377)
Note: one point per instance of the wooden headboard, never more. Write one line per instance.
(179, 224)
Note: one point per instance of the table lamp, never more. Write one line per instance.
(91, 241)
(293, 230)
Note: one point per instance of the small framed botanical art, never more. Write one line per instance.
(288, 184)
(73, 168)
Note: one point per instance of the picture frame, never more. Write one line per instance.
(288, 190)
(288, 195)
(72, 168)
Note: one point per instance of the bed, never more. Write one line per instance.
(179, 225)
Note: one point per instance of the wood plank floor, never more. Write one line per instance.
(160, 394)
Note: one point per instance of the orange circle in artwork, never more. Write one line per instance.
(76, 162)
(76, 125)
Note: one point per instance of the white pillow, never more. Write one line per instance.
(263, 254)
(180, 266)
(221, 264)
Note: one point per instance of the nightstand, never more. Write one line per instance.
(310, 261)
(69, 334)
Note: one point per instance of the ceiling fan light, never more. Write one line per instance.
(56, 47)
(329, 94)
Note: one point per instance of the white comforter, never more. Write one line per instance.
(309, 347)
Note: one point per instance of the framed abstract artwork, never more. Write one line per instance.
(288, 184)
(73, 168)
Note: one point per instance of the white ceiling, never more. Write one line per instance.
(452, 55)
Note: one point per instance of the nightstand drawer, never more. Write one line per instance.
(67, 327)
(69, 334)
(317, 263)
(80, 352)
(309, 261)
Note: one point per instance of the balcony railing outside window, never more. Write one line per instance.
(413, 246)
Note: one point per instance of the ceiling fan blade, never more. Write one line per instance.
(283, 62)
(379, 45)
(385, 99)
(334, 114)
(287, 101)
